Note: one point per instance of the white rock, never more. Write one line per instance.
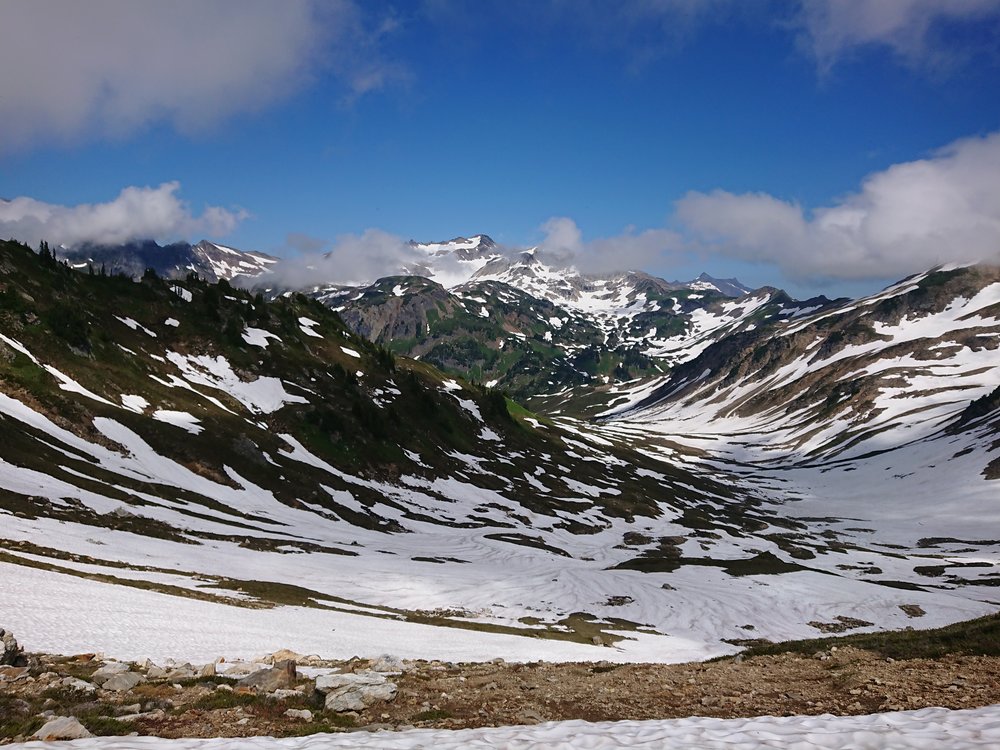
(299, 713)
(122, 682)
(388, 663)
(108, 671)
(354, 692)
(62, 728)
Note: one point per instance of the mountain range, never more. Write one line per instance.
(680, 470)
(522, 321)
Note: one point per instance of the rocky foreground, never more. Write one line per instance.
(64, 697)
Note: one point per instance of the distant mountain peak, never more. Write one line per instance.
(728, 287)
(210, 260)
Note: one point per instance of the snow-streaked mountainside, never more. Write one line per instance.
(189, 450)
(529, 324)
(210, 260)
(523, 321)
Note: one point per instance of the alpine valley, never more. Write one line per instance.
(487, 454)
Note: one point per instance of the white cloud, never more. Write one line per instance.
(353, 260)
(832, 29)
(137, 213)
(562, 235)
(100, 68)
(628, 251)
(905, 219)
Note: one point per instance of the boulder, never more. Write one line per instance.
(283, 654)
(388, 663)
(299, 713)
(208, 670)
(182, 673)
(11, 654)
(355, 692)
(281, 675)
(62, 728)
(109, 670)
(119, 683)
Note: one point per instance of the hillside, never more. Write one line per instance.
(259, 465)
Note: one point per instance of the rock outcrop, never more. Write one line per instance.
(62, 728)
(281, 675)
(355, 692)
(11, 655)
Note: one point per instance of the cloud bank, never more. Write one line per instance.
(354, 259)
(629, 251)
(137, 213)
(110, 67)
(904, 219)
(912, 29)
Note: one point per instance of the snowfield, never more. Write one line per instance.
(927, 729)
(134, 624)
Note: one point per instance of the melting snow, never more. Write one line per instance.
(181, 292)
(134, 403)
(307, 325)
(182, 419)
(67, 383)
(258, 337)
(134, 326)
(261, 396)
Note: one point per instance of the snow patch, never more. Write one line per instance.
(258, 337)
(181, 419)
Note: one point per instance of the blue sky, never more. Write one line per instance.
(821, 145)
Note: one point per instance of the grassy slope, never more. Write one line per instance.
(973, 637)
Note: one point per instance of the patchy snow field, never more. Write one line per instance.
(65, 614)
(930, 728)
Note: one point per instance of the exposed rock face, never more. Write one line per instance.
(355, 692)
(11, 655)
(281, 675)
(62, 728)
